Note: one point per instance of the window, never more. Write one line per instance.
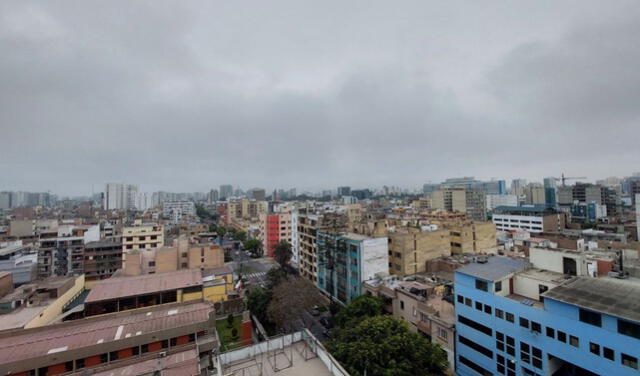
(398, 255)
(629, 361)
(467, 302)
(550, 332)
(542, 289)
(152, 263)
(487, 309)
(173, 341)
(104, 358)
(511, 346)
(574, 341)
(460, 299)
(525, 352)
(482, 285)
(479, 348)
(475, 325)
(499, 313)
(500, 341)
(498, 286)
(608, 353)
(474, 366)
(562, 336)
(443, 333)
(594, 348)
(524, 322)
(402, 305)
(113, 355)
(500, 360)
(536, 327)
(536, 357)
(590, 317)
(509, 317)
(504, 366)
(528, 372)
(144, 348)
(629, 329)
(478, 306)
(80, 363)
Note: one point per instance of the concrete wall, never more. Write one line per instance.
(54, 309)
(375, 257)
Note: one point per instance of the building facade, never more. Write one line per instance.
(142, 236)
(345, 261)
(531, 218)
(120, 196)
(515, 320)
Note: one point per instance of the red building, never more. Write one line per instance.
(274, 228)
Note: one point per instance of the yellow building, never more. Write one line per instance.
(410, 248)
(472, 237)
(142, 236)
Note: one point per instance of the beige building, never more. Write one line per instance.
(534, 194)
(423, 304)
(410, 248)
(461, 200)
(142, 236)
(182, 255)
(472, 237)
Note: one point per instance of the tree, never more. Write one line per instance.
(258, 300)
(276, 276)
(360, 308)
(254, 246)
(384, 346)
(221, 231)
(282, 253)
(239, 236)
(291, 298)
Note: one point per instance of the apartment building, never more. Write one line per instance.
(61, 251)
(120, 196)
(472, 237)
(347, 260)
(102, 258)
(516, 319)
(469, 201)
(274, 228)
(183, 255)
(533, 218)
(177, 211)
(99, 344)
(142, 236)
(534, 194)
(424, 303)
(411, 247)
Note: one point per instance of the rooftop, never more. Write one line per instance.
(531, 209)
(178, 364)
(616, 297)
(115, 288)
(496, 268)
(38, 342)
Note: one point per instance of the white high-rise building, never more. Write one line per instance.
(638, 214)
(493, 201)
(120, 196)
(143, 201)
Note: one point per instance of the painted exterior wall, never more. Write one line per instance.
(555, 315)
(55, 308)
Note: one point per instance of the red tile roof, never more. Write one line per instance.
(91, 331)
(115, 288)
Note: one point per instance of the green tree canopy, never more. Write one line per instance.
(254, 246)
(360, 308)
(282, 253)
(384, 346)
(258, 300)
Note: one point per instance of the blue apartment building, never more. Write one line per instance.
(513, 319)
(347, 260)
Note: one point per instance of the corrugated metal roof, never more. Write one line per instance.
(115, 288)
(615, 297)
(183, 363)
(88, 332)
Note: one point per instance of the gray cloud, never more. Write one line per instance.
(188, 96)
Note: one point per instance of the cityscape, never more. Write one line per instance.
(319, 189)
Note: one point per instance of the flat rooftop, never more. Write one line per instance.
(496, 268)
(43, 341)
(115, 288)
(616, 297)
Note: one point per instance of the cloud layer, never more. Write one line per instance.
(186, 96)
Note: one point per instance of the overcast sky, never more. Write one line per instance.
(187, 95)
